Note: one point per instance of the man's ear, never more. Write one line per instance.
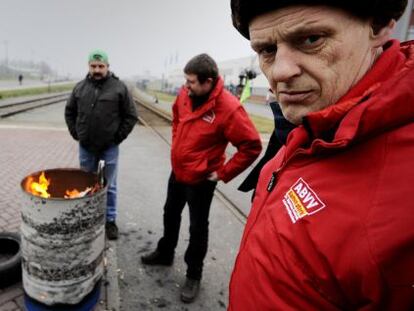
(209, 81)
(383, 35)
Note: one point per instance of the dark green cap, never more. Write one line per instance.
(98, 56)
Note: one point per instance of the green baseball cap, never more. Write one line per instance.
(98, 55)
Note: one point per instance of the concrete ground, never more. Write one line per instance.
(38, 140)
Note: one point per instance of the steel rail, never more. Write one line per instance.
(8, 110)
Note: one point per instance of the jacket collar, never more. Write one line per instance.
(208, 105)
(372, 105)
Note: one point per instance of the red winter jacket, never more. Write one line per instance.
(200, 137)
(332, 223)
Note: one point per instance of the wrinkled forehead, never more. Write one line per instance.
(300, 20)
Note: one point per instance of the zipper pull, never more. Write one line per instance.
(96, 96)
(272, 182)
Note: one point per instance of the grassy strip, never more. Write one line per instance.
(263, 125)
(255, 99)
(36, 90)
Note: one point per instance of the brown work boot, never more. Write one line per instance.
(157, 259)
(111, 230)
(190, 290)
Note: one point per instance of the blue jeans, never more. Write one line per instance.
(89, 162)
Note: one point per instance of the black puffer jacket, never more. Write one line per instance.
(100, 113)
(276, 141)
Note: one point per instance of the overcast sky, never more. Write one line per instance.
(138, 35)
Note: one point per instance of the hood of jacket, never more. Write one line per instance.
(208, 105)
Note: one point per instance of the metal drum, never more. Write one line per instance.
(62, 239)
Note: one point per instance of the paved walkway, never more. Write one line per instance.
(25, 148)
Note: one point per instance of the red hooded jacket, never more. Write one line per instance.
(200, 137)
(332, 223)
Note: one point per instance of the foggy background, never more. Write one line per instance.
(140, 37)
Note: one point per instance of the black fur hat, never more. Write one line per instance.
(381, 11)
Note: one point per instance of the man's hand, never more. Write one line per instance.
(213, 176)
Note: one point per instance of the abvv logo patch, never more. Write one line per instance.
(209, 116)
(301, 201)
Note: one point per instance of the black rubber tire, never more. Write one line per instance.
(10, 269)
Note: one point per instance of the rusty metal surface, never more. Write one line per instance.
(63, 240)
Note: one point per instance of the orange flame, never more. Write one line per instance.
(38, 188)
(72, 193)
(75, 193)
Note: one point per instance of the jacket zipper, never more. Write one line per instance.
(96, 97)
(181, 125)
(96, 93)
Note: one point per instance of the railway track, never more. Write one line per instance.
(151, 117)
(9, 109)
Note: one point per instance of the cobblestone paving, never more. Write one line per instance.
(22, 152)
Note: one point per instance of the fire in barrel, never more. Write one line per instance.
(63, 217)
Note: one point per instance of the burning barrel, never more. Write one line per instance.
(63, 217)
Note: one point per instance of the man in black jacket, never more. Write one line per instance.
(276, 141)
(100, 114)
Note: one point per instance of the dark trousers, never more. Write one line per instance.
(199, 199)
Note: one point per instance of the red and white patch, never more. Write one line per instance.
(301, 201)
(209, 116)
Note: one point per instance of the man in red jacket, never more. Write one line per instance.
(206, 117)
(332, 222)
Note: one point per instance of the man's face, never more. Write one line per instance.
(311, 56)
(98, 70)
(194, 87)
